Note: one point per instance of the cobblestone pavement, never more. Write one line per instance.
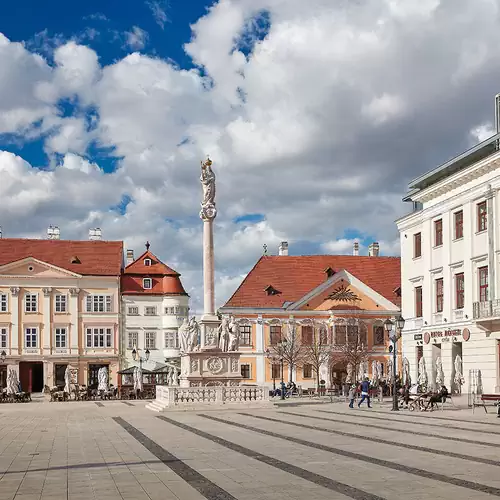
(112, 450)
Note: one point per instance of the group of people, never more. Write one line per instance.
(287, 389)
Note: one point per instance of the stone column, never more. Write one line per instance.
(73, 326)
(14, 330)
(208, 268)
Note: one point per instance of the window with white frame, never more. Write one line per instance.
(31, 302)
(147, 262)
(31, 337)
(133, 338)
(99, 337)
(246, 335)
(150, 340)
(61, 303)
(177, 310)
(133, 311)
(147, 283)
(150, 310)
(245, 371)
(171, 339)
(99, 303)
(4, 332)
(61, 338)
(169, 310)
(4, 304)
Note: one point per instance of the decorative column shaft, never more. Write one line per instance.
(207, 214)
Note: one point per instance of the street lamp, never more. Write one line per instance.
(282, 345)
(137, 357)
(272, 358)
(394, 336)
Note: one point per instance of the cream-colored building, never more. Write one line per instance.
(59, 306)
(154, 305)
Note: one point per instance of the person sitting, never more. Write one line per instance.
(439, 397)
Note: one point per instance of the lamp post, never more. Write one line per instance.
(272, 358)
(394, 336)
(137, 357)
(282, 345)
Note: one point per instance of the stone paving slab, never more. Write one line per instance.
(86, 451)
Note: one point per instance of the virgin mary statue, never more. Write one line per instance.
(208, 183)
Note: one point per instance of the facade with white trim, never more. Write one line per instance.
(450, 248)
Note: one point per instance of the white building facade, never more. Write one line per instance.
(154, 305)
(450, 249)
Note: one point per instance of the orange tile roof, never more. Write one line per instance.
(295, 276)
(166, 281)
(97, 258)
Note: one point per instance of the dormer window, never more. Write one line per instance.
(270, 290)
(147, 283)
(329, 272)
(75, 260)
(397, 291)
(147, 262)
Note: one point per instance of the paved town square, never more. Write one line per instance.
(114, 450)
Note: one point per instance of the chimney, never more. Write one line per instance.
(53, 233)
(373, 249)
(355, 248)
(283, 248)
(95, 234)
(130, 257)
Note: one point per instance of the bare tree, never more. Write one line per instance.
(350, 345)
(318, 351)
(288, 348)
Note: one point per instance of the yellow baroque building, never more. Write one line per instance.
(337, 294)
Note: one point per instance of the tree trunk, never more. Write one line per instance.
(291, 373)
(317, 381)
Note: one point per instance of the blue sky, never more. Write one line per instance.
(316, 115)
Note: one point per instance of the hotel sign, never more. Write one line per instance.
(442, 334)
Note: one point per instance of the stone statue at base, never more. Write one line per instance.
(102, 379)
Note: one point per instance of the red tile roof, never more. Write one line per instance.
(166, 281)
(97, 258)
(295, 276)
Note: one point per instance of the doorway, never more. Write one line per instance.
(93, 381)
(3, 377)
(31, 376)
(59, 372)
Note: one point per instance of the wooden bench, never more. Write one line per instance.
(489, 397)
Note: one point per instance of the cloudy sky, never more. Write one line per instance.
(315, 113)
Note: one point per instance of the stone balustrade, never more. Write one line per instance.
(198, 397)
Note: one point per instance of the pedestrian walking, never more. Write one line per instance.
(365, 393)
(352, 395)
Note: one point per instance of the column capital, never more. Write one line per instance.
(15, 291)
(74, 291)
(47, 291)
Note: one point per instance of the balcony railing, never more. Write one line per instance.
(488, 309)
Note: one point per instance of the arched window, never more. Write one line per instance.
(378, 334)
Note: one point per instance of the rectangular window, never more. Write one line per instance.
(150, 311)
(418, 302)
(133, 311)
(3, 337)
(378, 335)
(99, 303)
(31, 338)
(459, 290)
(132, 340)
(99, 337)
(147, 283)
(417, 245)
(171, 339)
(61, 338)
(439, 295)
(482, 222)
(4, 305)
(177, 310)
(483, 284)
(274, 334)
(307, 335)
(31, 303)
(61, 303)
(307, 371)
(150, 342)
(438, 232)
(275, 370)
(340, 333)
(459, 224)
(246, 335)
(245, 371)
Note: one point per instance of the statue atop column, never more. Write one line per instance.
(207, 178)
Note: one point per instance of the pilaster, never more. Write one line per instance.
(14, 330)
(47, 324)
(490, 210)
(74, 294)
